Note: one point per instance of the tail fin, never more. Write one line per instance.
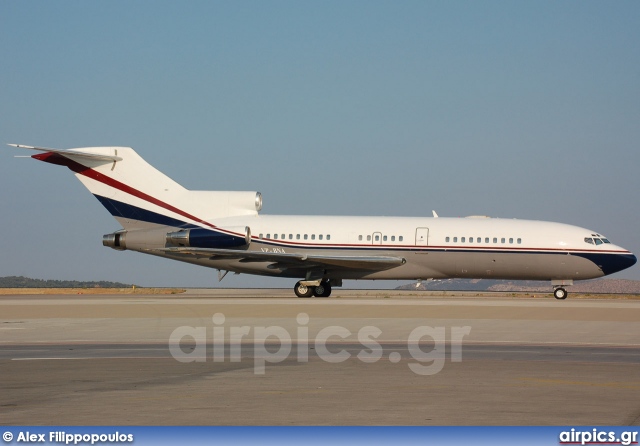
(139, 196)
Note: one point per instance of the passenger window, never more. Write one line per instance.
(455, 240)
(359, 237)
(486, 239)
(306, 236)
(400, 238)
(598, 241)
(446, 239)
(377, 238)
(479, 240)
(502, 240)
(495, 240)
(393, 238)
(368, 238)
(462, 239)
(510, 240)
(260, 236)
(297, 236)
(328, 236)
(268, 235)
(384, 238)
(519, 241)
(313, 236)
(470, 239)
(320, 237)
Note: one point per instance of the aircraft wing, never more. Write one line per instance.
(374, 263)
(73, 153)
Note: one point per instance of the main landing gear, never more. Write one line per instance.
(560, 293)
(323, 289)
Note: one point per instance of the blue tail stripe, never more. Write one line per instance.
(120, 209)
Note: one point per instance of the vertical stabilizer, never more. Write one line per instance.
(140, 196)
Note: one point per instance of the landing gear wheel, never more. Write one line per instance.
(560, 293)
(323, 290)
(303, 290)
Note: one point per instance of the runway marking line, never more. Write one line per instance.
(564, 382)
(91, 357)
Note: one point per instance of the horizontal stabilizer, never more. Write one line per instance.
(74, 153)
(374, 263)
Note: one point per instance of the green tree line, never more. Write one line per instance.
(26, 282)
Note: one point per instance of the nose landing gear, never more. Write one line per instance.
(560, 293)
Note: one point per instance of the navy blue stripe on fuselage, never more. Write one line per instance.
(609, 263)
(124, 210)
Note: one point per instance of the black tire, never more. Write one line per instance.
(560, 293)
(323, 290)
(303, 290)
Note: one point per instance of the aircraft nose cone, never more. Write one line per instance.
(620, 262)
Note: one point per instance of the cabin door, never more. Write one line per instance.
(422, 236)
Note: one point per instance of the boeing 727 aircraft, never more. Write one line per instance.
(224, 230)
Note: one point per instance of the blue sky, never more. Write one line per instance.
(511, 109)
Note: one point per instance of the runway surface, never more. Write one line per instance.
(223, 357)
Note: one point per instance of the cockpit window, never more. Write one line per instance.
(596, 240)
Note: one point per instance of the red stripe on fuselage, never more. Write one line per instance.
(54, 158)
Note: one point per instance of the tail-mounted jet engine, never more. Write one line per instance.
(206, 238)
(117, 240)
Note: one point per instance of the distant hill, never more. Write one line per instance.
(26, 282)
(605, 286)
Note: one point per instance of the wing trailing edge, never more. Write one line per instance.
(373, 263)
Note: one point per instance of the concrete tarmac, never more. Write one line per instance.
(260, 357)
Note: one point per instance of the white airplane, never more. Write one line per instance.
(224, 230)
